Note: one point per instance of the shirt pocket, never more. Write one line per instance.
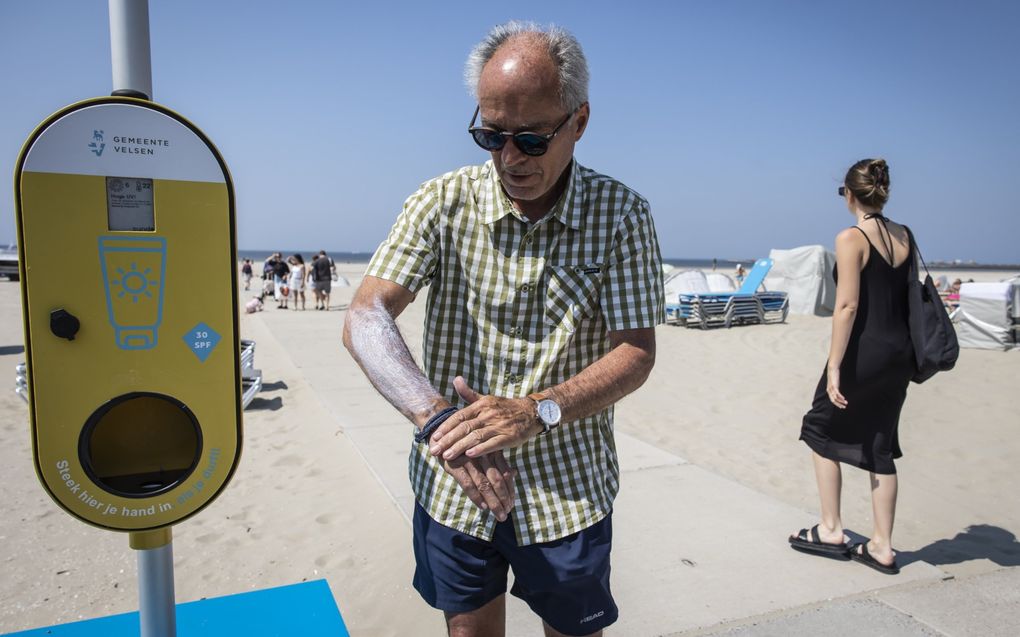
(572, 294)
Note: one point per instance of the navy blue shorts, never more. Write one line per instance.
(565, 582)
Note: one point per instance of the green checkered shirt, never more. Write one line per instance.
(515, 307)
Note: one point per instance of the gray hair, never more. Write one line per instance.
(563, 48)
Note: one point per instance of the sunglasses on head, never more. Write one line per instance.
(529, 143)
(842, 191)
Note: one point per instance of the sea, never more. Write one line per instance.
(724, 265)
(364, 257)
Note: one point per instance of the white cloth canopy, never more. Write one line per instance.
(685, 282)
(984, 319)
(805, 274)
(677, 282)
(719, 282)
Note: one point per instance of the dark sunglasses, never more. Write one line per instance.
(842, 191)
(529, 143)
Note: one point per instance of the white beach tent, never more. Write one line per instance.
(677, 282)
(984, 319)
(719, 282)
(805, 274)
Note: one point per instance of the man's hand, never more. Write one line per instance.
(486, 425)
(487, 480)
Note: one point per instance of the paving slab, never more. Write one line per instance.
(986, 605)
(848, 618)
(385, 449)
(693, 549)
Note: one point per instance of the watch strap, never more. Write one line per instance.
(433, 423)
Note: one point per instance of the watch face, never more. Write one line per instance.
(549, 412)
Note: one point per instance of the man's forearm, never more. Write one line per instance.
(607, 380)
(491, 423)
(372, 337)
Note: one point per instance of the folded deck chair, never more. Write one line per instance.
(678, 283)
(251, 378)
(746, 305)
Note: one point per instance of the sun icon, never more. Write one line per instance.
(134, 282)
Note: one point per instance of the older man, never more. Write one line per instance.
(545, 286)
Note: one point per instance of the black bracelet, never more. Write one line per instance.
(433, 423)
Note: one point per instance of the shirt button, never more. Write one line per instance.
(524, 288)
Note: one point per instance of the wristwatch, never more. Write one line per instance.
(548, 412)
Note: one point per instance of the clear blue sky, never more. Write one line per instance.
(736, 119)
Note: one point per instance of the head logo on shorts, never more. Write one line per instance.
(595, 616)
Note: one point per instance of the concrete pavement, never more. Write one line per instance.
(683, 564)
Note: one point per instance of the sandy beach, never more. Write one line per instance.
(713, 475)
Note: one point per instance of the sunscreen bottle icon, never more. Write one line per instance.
(133, 273)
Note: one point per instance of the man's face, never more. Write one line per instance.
(518, 91)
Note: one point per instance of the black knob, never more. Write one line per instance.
(64, 324)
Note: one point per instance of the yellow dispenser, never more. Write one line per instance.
(125, 216)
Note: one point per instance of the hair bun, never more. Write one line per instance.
(879, 171)
(868, 180)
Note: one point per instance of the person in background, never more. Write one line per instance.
(322, 273)
(740, 274)
(954, 289)
(855, 414)
(246, 273)
(298, 273)
(268, 287)
(545, 287)
(281, 273)
(310, 279)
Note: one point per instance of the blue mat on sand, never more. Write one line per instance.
(305, 609)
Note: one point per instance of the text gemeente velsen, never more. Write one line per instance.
(138, 145)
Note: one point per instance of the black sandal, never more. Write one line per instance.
(802, 542)
(868, 560)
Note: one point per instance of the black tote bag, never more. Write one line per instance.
(931, 330)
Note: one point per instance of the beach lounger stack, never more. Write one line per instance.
(251, 378)
(775, 306)
(746, 305)
(21, 381)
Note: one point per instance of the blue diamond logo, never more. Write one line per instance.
(202, 340)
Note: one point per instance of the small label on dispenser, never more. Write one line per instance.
(129, 204)
(202, 340)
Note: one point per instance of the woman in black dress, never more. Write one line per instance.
(856, 409)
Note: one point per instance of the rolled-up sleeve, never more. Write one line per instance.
(632, 294)
(409, 255)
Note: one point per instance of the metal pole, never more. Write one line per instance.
(156, 606)
(129, 48)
